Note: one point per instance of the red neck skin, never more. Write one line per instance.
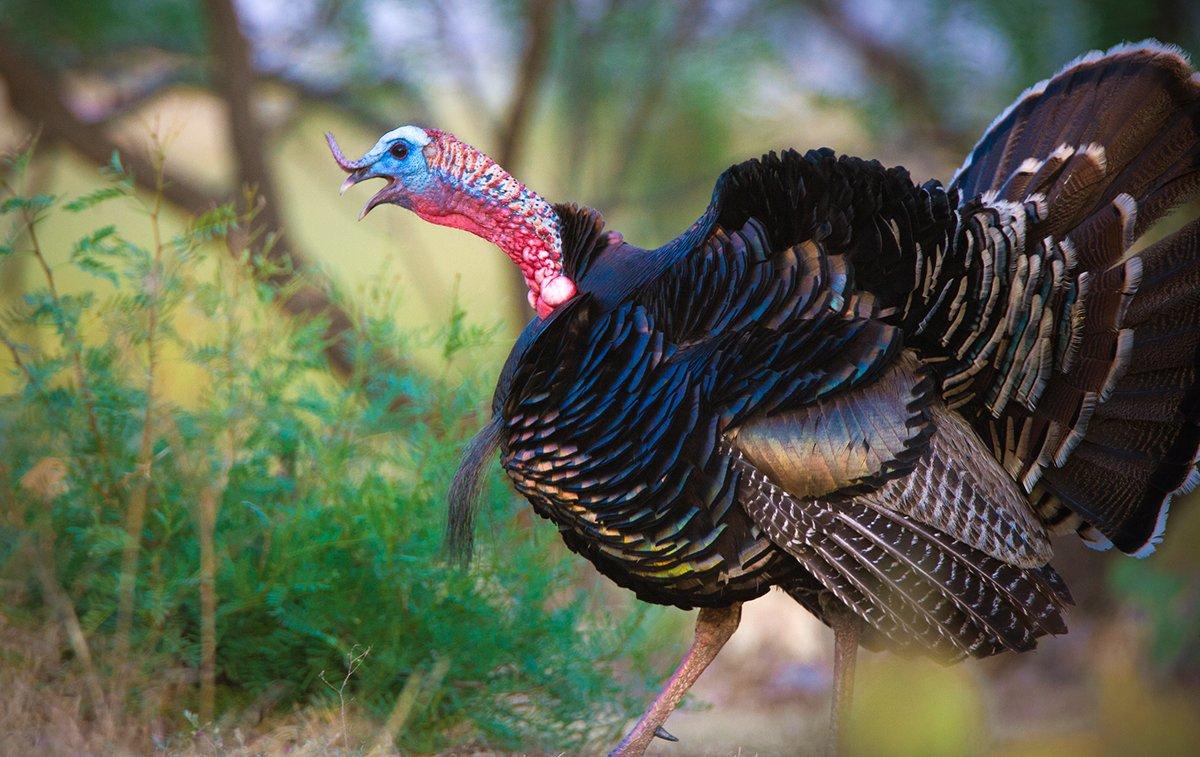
(480, 197)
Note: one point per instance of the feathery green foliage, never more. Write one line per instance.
(326, 506)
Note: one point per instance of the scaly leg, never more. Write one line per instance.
(714, 626)
(845, 648)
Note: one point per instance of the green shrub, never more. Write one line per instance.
(174, 382)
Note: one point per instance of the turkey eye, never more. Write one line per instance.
(399, 151)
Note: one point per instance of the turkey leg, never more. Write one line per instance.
(714, 626)
(845, 648)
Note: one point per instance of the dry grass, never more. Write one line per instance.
(1086, 694)
(44, 712)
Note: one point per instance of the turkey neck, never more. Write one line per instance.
(489, 202)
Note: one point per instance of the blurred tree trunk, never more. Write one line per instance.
(235, 80)
(895, 72)
(652, 87)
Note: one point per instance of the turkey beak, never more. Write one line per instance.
(359, 170)
(352, 179)
(380, 197)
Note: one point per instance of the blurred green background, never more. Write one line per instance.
(230, 412)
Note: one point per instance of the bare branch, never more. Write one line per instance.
(15, 352)
(340, 99)
(896, 71)
(35, 94)
(142, 93)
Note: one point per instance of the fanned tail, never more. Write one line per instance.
(1074, 355)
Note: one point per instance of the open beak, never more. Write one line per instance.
(384, 195)
(360, 170)
(351, 180)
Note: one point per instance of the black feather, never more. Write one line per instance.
(465, 490)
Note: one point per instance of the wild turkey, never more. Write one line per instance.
(882, 397)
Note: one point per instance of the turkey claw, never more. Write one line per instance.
(662, 733)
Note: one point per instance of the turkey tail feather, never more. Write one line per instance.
(1106, 423)
(1141, 446)
(1122, 100)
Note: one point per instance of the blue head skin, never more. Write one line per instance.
(399, 158)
